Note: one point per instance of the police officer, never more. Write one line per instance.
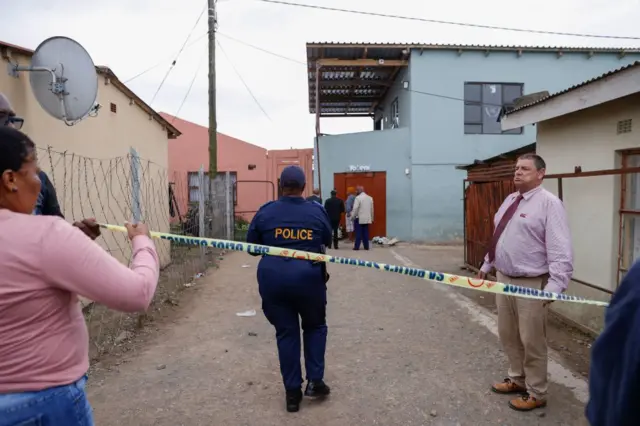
(292, 288)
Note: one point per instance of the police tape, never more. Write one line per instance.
(439, 277)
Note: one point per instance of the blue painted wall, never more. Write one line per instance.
(387, 151)
(404, 102)
(438, 141)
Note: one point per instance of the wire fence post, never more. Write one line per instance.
(228, 198)
(201, 202)
(135, 185)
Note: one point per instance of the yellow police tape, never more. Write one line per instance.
(440, 277)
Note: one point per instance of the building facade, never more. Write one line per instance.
(89, 162)
(254, 170)
(433, 107)
(584, 133)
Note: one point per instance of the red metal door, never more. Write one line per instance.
(375, 184)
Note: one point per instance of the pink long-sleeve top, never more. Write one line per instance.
(45, 263)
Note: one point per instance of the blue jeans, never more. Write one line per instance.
(362, 234)
(59, 406)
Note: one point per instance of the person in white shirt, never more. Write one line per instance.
(362, 215)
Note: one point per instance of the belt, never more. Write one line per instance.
(524, 276)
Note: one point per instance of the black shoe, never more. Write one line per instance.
(293, 400)
(316, 389)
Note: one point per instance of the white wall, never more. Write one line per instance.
(589, 139)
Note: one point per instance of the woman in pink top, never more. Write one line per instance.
(45, 263)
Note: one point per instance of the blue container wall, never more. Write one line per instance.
(383, 151)
(438, 141)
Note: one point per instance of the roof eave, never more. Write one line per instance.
(615, 85)
(172, 131)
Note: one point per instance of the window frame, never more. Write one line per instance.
(206, 175)
(626, 212)
(518, 131)
(394, 113)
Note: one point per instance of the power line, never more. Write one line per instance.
(260, 49)
(242, 80)
(162, 62)
(173, 64)
(461, 24)
(193, 80)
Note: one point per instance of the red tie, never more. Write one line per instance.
(503, 224)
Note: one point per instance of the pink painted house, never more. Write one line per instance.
(254, 169)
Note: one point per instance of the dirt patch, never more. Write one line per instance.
(396, 345)
(112, 333)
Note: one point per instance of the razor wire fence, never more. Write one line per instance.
(129, 188)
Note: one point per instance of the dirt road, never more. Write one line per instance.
(401, 352)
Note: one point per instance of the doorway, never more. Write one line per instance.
(375, 184)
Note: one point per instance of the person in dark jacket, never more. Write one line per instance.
(315, 197)
(47, 204)
(334, 207)
(614, 380)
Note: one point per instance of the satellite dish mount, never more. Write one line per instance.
(63, 79)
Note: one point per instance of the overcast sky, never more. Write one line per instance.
(132, 35)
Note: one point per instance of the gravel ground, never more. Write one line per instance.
(401, 352)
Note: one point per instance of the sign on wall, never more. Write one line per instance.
(359, 168)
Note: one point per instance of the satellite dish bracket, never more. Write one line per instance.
(57, 87)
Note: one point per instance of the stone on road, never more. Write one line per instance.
(401, 351)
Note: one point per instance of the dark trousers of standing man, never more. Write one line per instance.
(286, 297)
(362, 234)
(335, 225)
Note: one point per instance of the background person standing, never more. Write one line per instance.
(334, 207)
(531, 247)
(315, 196)
(363, 217)
(348, 220)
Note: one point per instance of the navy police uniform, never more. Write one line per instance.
(294, 288)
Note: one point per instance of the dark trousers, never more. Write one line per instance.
(283, 304)
(335, 225)
(362, 234)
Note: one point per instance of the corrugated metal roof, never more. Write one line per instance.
(572, 88)
(438, 46)
(367, 86)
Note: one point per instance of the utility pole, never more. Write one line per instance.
(213, 125)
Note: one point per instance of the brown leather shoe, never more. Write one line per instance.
(508, 386)
(527, 403)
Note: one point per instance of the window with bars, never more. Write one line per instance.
(483, 103)
(194, 186)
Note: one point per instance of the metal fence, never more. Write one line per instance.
(130, 188)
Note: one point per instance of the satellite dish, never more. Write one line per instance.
(63, 79)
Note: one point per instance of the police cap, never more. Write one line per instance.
(292, 177)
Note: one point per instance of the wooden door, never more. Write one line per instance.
(375, 184)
